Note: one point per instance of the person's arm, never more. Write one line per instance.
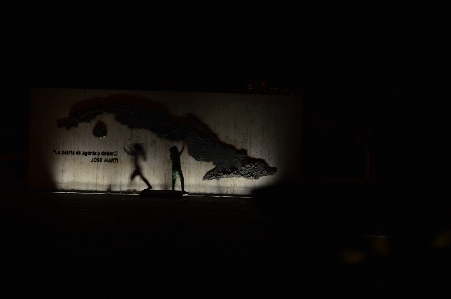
(128, 151)
(183, 147)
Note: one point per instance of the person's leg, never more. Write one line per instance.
(182, 181)
(174, 177)
(134, 174)
(146, 181)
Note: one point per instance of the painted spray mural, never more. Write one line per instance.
(123, 141)
(201, 143)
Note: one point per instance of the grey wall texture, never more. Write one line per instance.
(234, 142)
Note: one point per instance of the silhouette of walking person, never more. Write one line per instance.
(136, 150)
(176, 166)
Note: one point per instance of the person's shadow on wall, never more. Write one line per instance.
(203, 145)
(137, 150)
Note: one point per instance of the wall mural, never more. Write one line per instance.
(99, 130)
(201, 143)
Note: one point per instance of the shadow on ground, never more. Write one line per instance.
(290, 238)
(383, 232)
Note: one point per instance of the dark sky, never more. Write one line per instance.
(341, 53)
(142, 45)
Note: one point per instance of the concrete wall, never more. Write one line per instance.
(267, 127)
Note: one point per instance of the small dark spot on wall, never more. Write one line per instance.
(99, 130)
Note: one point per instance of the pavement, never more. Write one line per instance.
(108, 245)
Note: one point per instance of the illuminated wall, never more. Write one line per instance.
(263, 127)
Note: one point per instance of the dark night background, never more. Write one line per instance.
(379, 67)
